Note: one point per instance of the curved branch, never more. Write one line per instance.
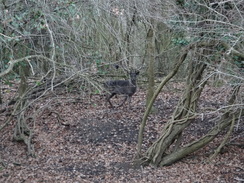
(149, 107)
(13, 62)
(226, 119)
(53, 52)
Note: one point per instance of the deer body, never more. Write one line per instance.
(121, 87)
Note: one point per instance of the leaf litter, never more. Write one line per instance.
(98, 144)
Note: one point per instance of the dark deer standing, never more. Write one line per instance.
(122, 87)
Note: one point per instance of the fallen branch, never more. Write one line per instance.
(217, 151)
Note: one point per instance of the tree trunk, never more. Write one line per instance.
(148, 109)
(182, 116)
(22, 132)
(1, 98)
(225, 121)
(151, 57)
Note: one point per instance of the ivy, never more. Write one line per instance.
(180, 42)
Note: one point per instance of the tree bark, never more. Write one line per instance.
(151, 60)
(225, 121)
(148, 109)
(182, 116)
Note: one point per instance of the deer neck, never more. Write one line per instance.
(133, 82)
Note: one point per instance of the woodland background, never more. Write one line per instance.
(185, 123)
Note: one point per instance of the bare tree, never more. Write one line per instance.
(55, 45)
(213, 26)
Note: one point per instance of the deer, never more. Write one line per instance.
(122, 87)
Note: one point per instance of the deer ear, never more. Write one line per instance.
(116, 66)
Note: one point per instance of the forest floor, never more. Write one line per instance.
(97, 144)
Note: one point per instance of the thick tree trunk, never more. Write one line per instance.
(182, 116)
(148, 109)
(225, 121)
(22, 132)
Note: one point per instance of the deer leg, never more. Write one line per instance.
(129, 101)
(108, 99)
(123, 101)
